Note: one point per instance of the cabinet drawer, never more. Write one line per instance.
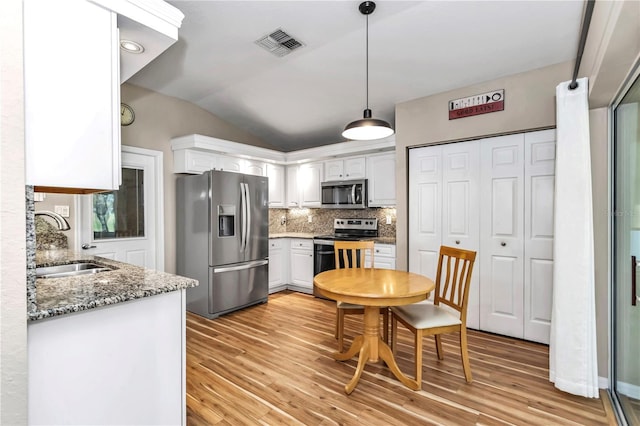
(275, 243)
(388, 250)
(301, 244)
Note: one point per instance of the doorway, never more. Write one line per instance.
(127, 225)
(625, 312)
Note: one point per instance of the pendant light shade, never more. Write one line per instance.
(367, 128)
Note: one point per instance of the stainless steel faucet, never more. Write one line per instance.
(62, 223)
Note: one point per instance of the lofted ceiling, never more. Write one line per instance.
(304, 99)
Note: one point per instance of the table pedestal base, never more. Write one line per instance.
(371, 347)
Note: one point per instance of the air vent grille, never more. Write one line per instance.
(279, 43)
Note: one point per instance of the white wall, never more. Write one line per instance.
(13, 282)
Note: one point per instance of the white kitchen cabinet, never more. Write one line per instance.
(197, 162)
(310, 176)
(345, 169)
(293, 191)
(130, 355)
(241, 165)
(381, 176)
(275, 173)
(72, 95)
(278, 264)
(384, 256)
(301, 265)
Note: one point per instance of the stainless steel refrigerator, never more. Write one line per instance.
(223, 240)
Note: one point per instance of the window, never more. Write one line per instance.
(120, 214)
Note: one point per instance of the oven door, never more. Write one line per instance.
(323, 256)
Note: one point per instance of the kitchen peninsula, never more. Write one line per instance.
(107, 347)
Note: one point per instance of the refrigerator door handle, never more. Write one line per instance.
(243, 226)
(248, 225)
(247, 265)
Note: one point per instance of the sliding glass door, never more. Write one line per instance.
(625, 319)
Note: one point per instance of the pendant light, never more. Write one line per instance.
(367, 128)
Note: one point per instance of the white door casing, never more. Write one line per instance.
(147, 251)
(501, 234)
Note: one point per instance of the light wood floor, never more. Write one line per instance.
(271, 364)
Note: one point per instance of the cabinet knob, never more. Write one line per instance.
(457, 241)
(503, 244)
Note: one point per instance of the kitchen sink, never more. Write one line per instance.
(70, 269)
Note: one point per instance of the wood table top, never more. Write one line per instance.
(373, 286)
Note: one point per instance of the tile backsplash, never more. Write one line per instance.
(297, 220)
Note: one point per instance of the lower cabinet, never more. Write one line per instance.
(278, 264)
(291, 263)
(384, 257)
(301, 265)
(113, 365)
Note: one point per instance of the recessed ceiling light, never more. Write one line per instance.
(131, 46)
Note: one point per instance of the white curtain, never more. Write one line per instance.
(573, 363)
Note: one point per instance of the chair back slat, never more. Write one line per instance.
(352, 253)
(453, 278)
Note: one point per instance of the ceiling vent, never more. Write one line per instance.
(279, 43)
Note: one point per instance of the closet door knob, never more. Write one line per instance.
(457, 241)
(503, 244)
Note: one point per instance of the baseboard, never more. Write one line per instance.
(277, 288)
(603, 382)
(299, 289)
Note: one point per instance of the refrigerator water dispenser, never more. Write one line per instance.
(226, 220)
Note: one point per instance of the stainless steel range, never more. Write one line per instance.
(343, 230)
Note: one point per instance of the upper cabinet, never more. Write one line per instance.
(344, 169)
(309, 179)
(293, 193)
(305, 169)
(381, 175)
(72, 94)
(275, 173)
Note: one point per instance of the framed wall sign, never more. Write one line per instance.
(478, 104)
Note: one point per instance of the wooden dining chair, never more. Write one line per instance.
(447, 313)
(351, 254)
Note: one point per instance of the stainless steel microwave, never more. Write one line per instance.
(346, 194)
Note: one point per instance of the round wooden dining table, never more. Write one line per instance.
(372, 288)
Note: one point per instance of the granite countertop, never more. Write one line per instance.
(379, 240)
(293, 235)
(59, 296)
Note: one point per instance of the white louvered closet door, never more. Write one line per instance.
(501, 235)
